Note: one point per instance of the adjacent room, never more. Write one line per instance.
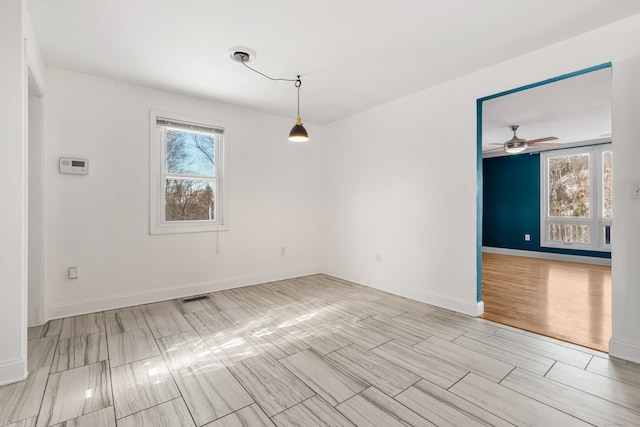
(283, 214)
(547, 212)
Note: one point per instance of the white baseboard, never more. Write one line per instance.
(94, 305)
(548, 255)
(12, 371)
(471, 308)
(479, 308)
(624, 350)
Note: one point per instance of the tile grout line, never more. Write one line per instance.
(407, 388)
(181, 397)
(472, 403)
(509, 373)
(44, 392)
(550, 368)
(106, 340)
(586, 368)
(255, 402)
(383, 409)
(553, 407)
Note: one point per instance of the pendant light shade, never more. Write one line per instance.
(298, 132)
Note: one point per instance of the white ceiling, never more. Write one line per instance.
(353, 55)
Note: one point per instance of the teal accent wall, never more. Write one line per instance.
(511, 205)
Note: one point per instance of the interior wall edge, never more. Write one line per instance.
(94, 305)
(548, 255)
(625, 272)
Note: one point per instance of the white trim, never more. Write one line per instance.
(471, 308)
(36, 308)
(93, 305)
(548, 255)
(16, 369)
(479, 308)
(624, 350)
(12, 371)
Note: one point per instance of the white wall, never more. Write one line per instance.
(100, 222)
(12, 193)
(625, 342)
(392, 190)
(16, 37)
(402, 181)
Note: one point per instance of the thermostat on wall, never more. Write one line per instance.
(74, 166)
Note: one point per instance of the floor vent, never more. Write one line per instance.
(194, 298)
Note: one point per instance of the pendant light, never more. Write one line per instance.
(244, 55)
(298, 132)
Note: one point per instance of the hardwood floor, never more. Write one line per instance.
(563, 300)
(310, 351)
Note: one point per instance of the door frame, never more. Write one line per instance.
(479, 195)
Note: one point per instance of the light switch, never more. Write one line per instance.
(73, 272)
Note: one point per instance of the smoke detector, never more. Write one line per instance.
(241, 54)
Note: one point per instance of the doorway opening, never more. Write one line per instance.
(540, 267)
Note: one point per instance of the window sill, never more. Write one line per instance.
(575, 247)
(181, 228)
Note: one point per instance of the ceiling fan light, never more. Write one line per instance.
(515, 146)
(298, 132)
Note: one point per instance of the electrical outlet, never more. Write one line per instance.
(527, 237)
(378, 257)
(72, 272)
(283, 250)
(635, 190)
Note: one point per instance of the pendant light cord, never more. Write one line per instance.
(297, 80)
(244, 62)
(298, 132)
(298, 84)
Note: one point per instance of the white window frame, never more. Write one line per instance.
(158, 176)
(596, 221)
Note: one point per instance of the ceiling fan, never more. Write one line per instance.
(518, 145)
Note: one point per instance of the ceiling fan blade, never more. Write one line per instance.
(496, 143)
(493, 149)
(536, 141)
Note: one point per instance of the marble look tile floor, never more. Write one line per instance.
(310, 351)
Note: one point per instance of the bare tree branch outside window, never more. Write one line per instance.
(190, 185)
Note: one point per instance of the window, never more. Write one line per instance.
(576, 198)
(186, 175)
